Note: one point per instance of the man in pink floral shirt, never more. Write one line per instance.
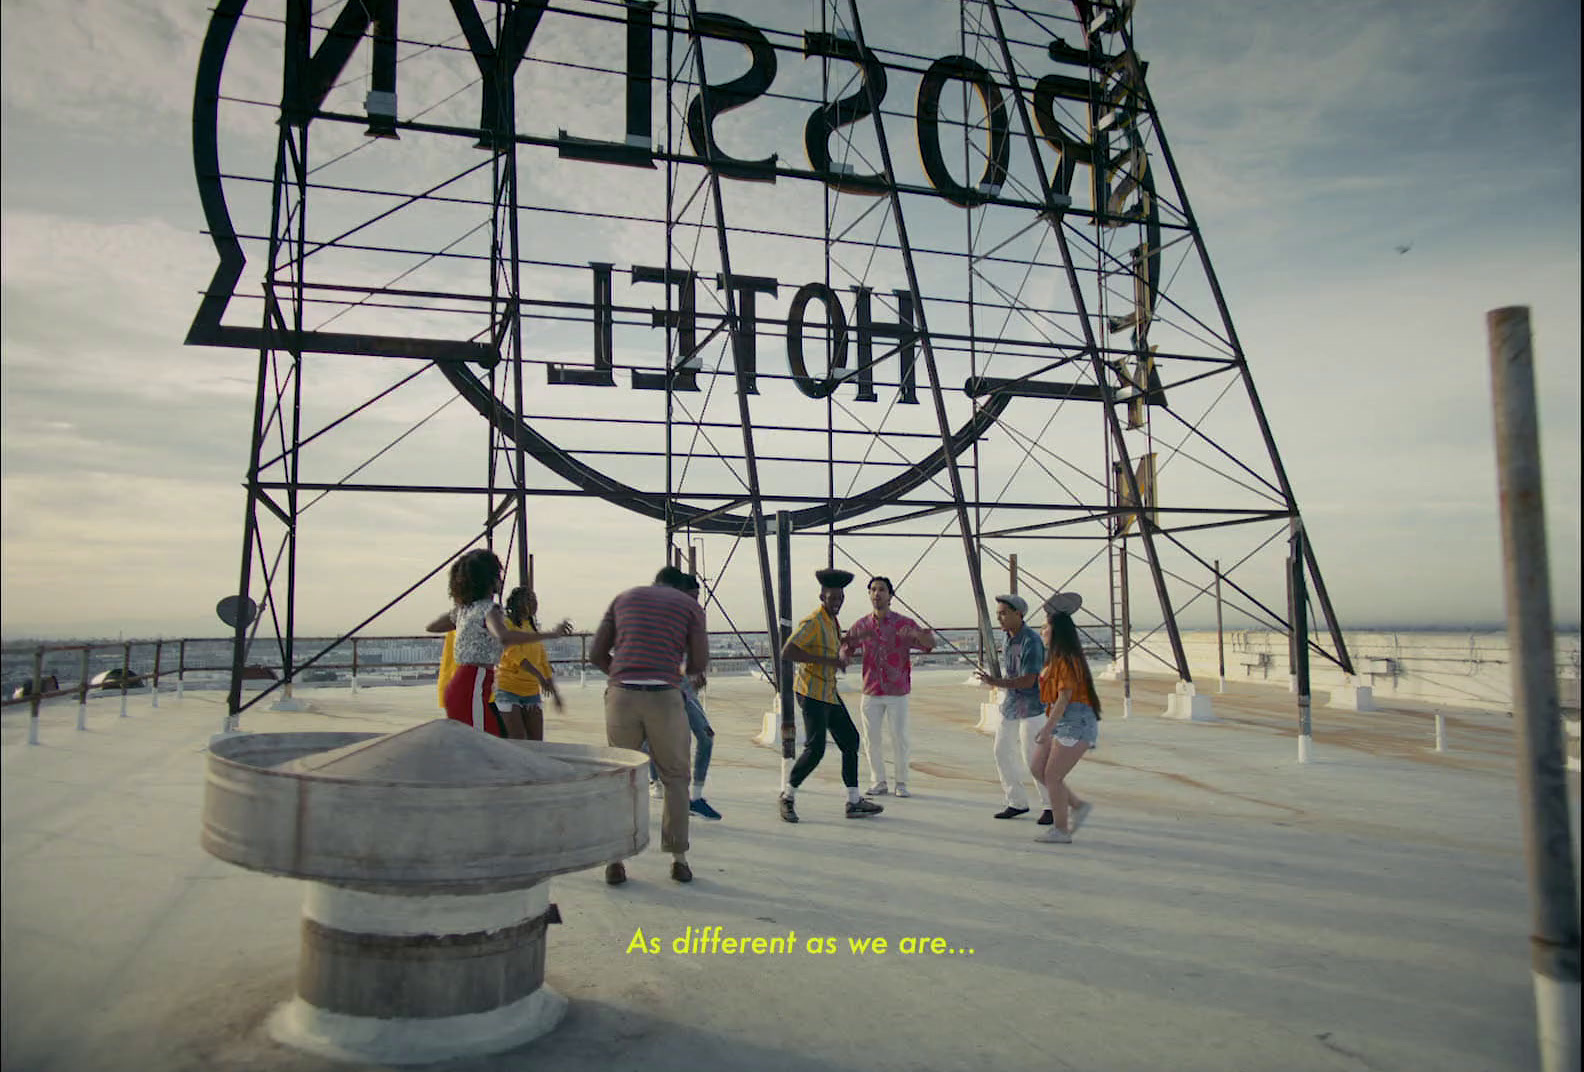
(885, 640)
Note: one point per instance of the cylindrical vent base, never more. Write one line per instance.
(452, 975)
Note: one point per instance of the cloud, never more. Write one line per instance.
(1319, 123)
(99, 63)
(1312, 140)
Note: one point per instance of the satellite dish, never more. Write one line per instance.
(235, 611)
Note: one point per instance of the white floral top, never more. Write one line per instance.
(474, 644)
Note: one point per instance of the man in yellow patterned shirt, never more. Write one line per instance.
(815, 645)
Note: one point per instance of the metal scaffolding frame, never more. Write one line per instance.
(1059, 288)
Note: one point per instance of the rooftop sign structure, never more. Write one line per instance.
(902, 277)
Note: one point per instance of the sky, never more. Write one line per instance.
(1315, 141)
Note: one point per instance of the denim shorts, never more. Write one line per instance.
(511, 699)
(1077, 724)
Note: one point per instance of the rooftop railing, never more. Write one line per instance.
(35, 673)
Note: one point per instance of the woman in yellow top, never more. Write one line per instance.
(448, 665)
(523, 673)
(1072, 717)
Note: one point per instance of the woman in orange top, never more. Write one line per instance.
(1072, 717)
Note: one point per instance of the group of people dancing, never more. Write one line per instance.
(494, 670)
(505, 699)
(652, 644)
(1049, 705)
(1048, 701)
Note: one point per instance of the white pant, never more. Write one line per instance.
(1013, 767)
(877, 710)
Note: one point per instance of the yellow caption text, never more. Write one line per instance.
(714, 942)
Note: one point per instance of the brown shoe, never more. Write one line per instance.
(615, 874)
(681, 871)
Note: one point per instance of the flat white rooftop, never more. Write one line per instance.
(1224, 908)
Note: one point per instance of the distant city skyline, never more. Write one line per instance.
(1370, 181)
(1563, 629)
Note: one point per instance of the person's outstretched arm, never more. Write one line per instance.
(495, 622)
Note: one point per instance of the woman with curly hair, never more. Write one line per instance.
(525, 673)
(481, 634)
(1072, 717)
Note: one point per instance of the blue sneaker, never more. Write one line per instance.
(702, 807)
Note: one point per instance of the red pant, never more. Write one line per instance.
(467, 698)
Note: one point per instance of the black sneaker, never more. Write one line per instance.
(788, 812)
(1010, 812)
(1046, 818)
(862, 809)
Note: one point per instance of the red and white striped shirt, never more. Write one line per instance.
(650, 630)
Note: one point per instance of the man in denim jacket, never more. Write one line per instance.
(1020, 706)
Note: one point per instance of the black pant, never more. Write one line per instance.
(818, 716)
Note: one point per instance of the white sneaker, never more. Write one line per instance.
(1079, 814)
(1053, 836)
(656, 791)
(877, 790)
(902, 790)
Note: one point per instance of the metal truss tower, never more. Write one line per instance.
(752, 317)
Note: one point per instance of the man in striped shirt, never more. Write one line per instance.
(816, 647)
(640, 644)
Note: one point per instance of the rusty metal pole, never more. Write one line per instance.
(1299, 640)
(783, 676)
(1220, 633)
(181, 668)
(38, 686)
(82, 692)
(1292, 651)
(126, 669)
(1012, 573)
(159, 644)
(1127, 635)
(1542, 776)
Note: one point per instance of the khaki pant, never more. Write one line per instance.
(632, 717)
